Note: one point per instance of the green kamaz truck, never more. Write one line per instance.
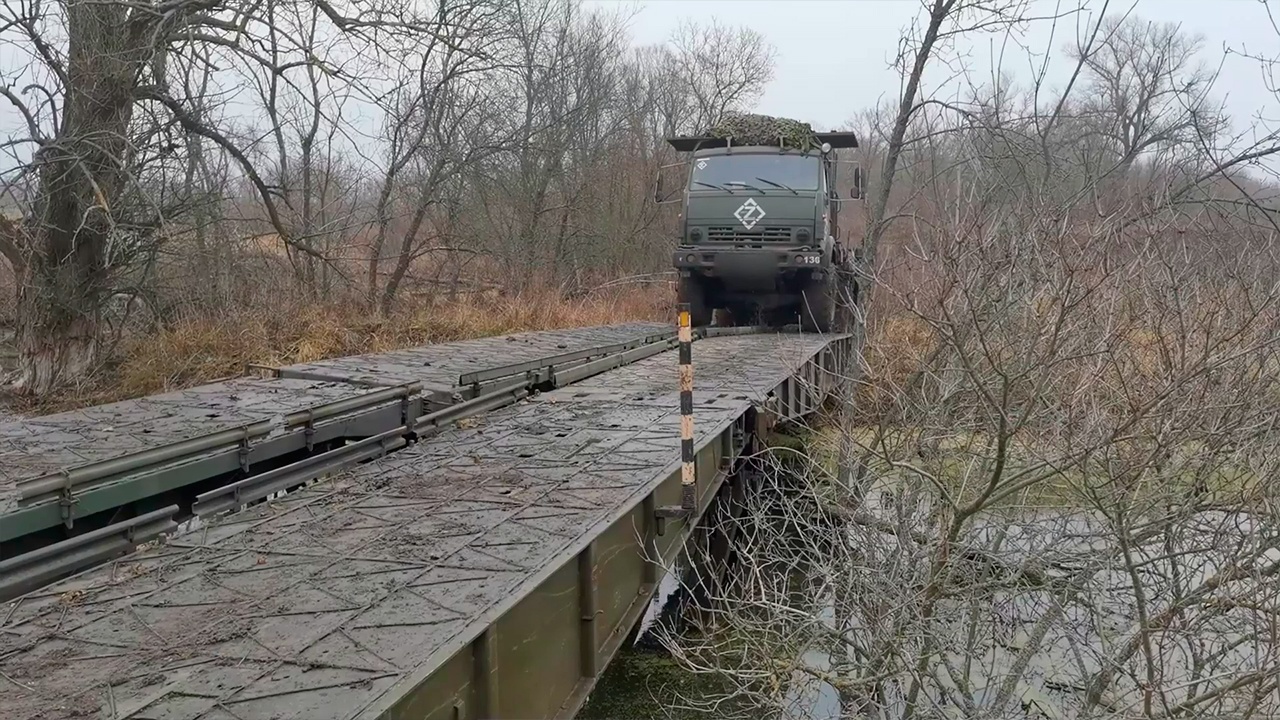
(760, 239)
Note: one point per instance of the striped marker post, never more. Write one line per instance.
(688, 470)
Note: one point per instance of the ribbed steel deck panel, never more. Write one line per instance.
(335, 601)
(43, 445)
(38, 446)
(438, 367)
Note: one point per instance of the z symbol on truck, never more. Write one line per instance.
(749, 214)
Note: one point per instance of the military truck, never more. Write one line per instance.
(760, 230)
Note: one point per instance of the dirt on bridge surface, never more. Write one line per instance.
(340, 596)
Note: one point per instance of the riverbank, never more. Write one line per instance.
(646, 683)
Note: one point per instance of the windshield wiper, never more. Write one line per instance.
(753, 187)
(717, 187)
(779, 185)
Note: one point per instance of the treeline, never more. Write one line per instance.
(370, 157)
(1135, 146)
(1051, 496)
(361, 153)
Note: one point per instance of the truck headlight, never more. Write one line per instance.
(695, 234)
(803, 235)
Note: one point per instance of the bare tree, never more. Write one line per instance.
(109, 91)
(62, 253)
(944, 20)
(1063, 440)
(725, 68)
(439, 123)
(335, 153)
(1146, 87)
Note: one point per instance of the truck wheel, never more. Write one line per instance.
(692, 292)
(818, 304)
(736, 316)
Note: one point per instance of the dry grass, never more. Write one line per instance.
(205, 349)
(898, 345)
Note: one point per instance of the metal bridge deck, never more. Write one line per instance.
(44, 445)
(338, 599)
(47, 446)
(438, 367)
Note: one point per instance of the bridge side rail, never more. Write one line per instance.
(390, 419)
(541, 654)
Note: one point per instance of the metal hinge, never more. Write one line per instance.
(67, 501)
(244, 451)
(309, 431)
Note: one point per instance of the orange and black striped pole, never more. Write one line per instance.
(688, 469)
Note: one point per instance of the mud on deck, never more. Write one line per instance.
(438, 367)
(33, 447)
(337, 599)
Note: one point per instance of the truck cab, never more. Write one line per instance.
(760, 232)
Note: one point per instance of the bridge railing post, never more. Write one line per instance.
(688, 455)
(688, 458)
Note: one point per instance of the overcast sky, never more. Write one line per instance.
(834, 55)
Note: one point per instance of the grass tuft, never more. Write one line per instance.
(203, 349)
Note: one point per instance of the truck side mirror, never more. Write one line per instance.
(660, 194)
(855, 192)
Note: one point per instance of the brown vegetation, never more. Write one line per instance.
(1054, 495)
(202, 348)
(1068, 401)
(403, 158)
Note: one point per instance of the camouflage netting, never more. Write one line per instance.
(751, 129)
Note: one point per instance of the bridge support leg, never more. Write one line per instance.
(587, 602)
(651, 555)
(486, 672)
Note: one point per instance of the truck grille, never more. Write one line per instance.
(736, 234)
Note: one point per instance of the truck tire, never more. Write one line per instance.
(818, 304)
(691, 292)
(736, 316)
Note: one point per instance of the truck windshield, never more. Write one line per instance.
(756, 171)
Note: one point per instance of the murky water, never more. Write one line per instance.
(1042, 609)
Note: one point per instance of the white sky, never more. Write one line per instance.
(834, 55)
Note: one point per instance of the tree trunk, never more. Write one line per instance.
(404, 259)
(57, 331)
(82, 176)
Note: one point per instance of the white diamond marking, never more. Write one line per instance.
(749, 213)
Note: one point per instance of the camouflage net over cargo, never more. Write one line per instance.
(753, 129)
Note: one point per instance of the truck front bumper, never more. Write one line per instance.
(719, 262)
